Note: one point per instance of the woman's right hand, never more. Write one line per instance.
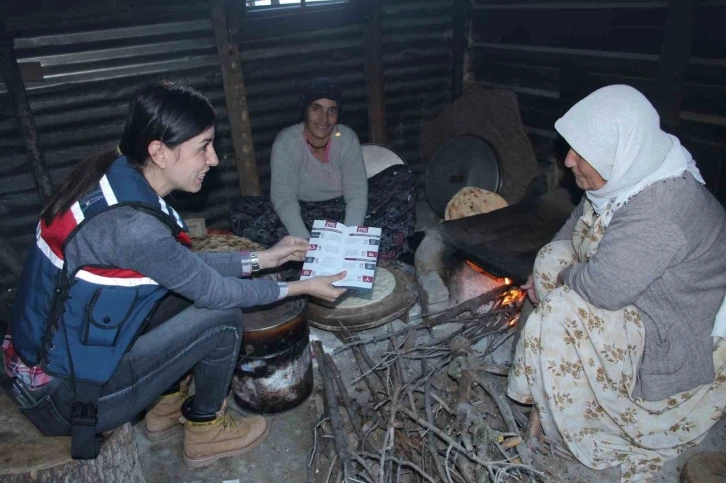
(320, 287)
(529, 288)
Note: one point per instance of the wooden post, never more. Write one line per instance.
(16, 88)
(10, 259)
(373, 55)
(674, 56)
(459, 44)
(235, 95)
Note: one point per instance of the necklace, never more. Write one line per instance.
(317, 147)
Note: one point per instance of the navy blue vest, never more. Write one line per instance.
(76, 320)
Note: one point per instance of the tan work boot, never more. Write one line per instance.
(206, 442)
(162, 420)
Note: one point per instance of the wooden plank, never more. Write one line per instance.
(373, 56)
(31, 71)
(674, 57)
(642, 65)
(42, 14)
(459, 45)
(619, 30)
(10, 72)
(10, 259)
(272, 24)
(549, 5)
(235, 95)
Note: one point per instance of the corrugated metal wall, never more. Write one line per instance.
(274, 69)
(553, 53)
(90, 74)
(417, 71)
(703, 112)
(81, 106)
(417, 59)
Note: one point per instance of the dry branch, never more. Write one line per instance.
(331, 406)
(469, 306)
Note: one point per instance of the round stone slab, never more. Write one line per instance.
(394, 293)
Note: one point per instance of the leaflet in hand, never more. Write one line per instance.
(335, 247)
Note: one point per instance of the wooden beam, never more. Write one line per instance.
(13, 79)
(459, 45)
(235, 95)
(31, 71)
(375, 84)
(674, 56)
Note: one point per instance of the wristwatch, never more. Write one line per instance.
(254, 261)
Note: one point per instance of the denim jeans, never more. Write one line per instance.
(179, 337)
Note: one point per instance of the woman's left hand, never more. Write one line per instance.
(289, 249)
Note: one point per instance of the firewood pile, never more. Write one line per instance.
(436, 412)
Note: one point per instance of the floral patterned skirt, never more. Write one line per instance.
(391, 207)
(578, 363)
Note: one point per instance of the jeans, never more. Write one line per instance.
(179, 337)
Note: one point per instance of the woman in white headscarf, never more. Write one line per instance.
(618, 357)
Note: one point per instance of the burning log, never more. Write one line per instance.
(469, 306)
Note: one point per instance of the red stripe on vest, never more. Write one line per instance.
(184, 239)
(114, 272)
(57, 232)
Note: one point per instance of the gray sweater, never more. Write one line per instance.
(127, 238)
(665, 253)
(298, 176)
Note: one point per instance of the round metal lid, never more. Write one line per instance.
(265, 317)
(463, 161)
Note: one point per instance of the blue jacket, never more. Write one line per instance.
(75, 319)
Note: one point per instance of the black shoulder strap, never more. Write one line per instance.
(85, 444)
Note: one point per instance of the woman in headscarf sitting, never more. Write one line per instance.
(318, 173)
(618, 357)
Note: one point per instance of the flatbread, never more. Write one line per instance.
(470, 201)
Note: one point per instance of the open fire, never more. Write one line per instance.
(455, 283)
(467, 281)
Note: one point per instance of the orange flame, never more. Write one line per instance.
(478, 269)
(512, 296)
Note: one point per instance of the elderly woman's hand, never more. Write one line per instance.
(529, 288)
(289, 249)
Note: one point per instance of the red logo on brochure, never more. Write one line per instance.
(367, 279)
(331, 224)
(306, 273)
(362, 229)
(372, 254)
(313, 247)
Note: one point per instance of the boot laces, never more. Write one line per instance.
(228, 423)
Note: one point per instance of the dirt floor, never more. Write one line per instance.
(284, 456)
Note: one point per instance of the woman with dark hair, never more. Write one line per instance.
(113, 309)
(318, 173)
